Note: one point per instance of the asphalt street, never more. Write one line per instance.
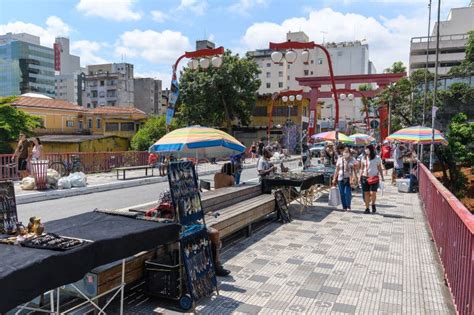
(113, 199)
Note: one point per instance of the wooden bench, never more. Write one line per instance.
(133, 168)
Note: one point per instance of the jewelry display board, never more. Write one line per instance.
(185, 192)
(197, 258)
(8, 214)
(282, 207)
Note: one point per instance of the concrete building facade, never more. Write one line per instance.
(108, 85)
(68, 84)
(148, 95)
(25, 65)
(453, 38)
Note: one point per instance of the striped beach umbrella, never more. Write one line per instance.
(198, 142)
(331, 136)
(361, 139)
(417, 135)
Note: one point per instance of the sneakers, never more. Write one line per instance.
(221, 271)
(367, 210)
(374, 209)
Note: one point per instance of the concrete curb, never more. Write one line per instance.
(56, 194)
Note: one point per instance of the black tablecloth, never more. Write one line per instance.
(303, 182)
(26, 272)
(326, 171)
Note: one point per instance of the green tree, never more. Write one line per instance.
(12, 122)
(457, 153)
(397, 67)
(218, 96)
(466, 68)
(153, 129)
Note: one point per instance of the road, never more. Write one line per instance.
(113, 199)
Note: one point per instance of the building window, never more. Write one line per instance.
(268, 85)
(102, 83)
(268, 74)
(306, 72)
(280, 74)
(288, 77)
(312, 61)
(269, 64)
(89, 123)
(111, 82)
(94, 93)
(101, 94)
(88, 105)
(69, 123)
(99, 123)
(111, 103)
(288, 66)
(41, 122)
(94, 104)
(111, 93)
(339, 53)
(280, 84)
(311, 72)
(320, 61)
(130, 126)
(111, 126)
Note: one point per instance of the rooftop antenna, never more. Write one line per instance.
(324, 33)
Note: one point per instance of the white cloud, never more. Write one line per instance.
(158, 16)
(196, 6)
(88, 51)
(116, 10)
(164, 76)
(244, 6)
(54, 27)
(157, 47)
(388, 39)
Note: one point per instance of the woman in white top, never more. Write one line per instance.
(371, 168)
(37, 151)
(345, 168)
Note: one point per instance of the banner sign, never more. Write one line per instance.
(173, 97)
(57, 57)
(312, 122)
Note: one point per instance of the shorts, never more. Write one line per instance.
(22, 163)
(366, 186)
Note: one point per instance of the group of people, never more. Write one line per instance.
(25, 152)
(366, 167)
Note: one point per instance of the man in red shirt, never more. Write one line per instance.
(386, 154)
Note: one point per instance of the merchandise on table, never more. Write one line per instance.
(52, 242)
(8, 213)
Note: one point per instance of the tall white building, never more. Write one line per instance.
(453, 38)
(347, 58)
(68, 84)
(109, 85)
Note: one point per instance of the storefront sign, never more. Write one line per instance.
(311, 123)
(57, 57)
(173, 98)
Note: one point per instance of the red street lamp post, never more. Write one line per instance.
(198, 59)
(292, 57)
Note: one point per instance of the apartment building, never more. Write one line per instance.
(148, 95)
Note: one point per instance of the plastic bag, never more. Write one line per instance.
(28, 183)
(52, 177)
(64, 183)
(334, 197)
(381, 187)
(78, 179)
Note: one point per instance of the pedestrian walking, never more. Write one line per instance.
(305, 156)
(238, 167)
(329, 154)
(344, 176)
(37, 151)
(261, 145)
(21, 155)
(371, 168)
(253, 150)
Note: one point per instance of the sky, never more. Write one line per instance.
(152, 34)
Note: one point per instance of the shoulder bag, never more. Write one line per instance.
(371, 180)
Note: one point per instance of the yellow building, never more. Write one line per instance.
(70, 128)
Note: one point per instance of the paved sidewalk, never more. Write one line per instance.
(332, 262)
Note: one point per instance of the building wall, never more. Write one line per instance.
(147, 95)
(459, 21)
(26, 67)
(56, 120)
(109, 85)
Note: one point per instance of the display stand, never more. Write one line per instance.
(8, 213)
(282, 207)
(194, 242)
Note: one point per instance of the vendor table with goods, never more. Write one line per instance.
(99, 239)
(326, 171)
(295, 186)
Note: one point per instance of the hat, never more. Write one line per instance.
(329, 143)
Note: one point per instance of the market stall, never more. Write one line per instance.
(295, 186)
(326, 171)
(28, 272)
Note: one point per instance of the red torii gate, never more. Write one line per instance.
(315, 83)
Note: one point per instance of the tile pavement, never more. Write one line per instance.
(332, 262)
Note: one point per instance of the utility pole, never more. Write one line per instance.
(435, 90)
(425, 96)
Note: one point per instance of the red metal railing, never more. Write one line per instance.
(94, 162)
(452, 227)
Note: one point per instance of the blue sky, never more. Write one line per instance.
(151, 34)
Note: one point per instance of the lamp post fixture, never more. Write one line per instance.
(203, 59)
(290, 56)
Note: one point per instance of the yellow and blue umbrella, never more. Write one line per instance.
(331, 136)
(361, 139)
(417, 135)
(198, 142)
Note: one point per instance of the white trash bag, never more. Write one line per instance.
(52, 177)
(78, 179)
(64, 183)
(334, 197)
(28, 183)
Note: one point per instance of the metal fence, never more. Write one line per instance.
(94, 162)
(452, 227)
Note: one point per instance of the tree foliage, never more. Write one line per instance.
(153, 129)
(12, 122)
(466, 68)
(397, 67)
(217, 96)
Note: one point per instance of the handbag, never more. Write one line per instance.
(334, 197)
(371, 180)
